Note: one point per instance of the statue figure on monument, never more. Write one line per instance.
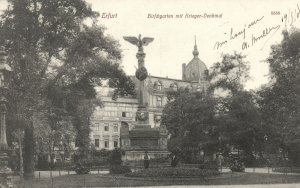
(139, 42)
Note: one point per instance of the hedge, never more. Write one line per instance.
(173, 172)
(119, 169)
(287, 169)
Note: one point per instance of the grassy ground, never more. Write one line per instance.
(120, 180)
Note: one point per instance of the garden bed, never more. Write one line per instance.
(173, 172)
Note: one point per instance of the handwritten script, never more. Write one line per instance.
(250, 36)
(242, 34)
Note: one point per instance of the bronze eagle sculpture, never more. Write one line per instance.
(138, 41)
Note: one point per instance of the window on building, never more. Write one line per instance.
(159, 101)
(157, 118)
(97, 143)
(123, 114)
(97, 126)
(198, 88)
(116, 128)
(116, 143)
(194, 75)
(106, 127)
(175, 87)
(157, 85)
(106, 144)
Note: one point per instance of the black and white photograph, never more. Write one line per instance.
(139, 93)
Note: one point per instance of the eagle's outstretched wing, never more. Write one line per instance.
(132, 40)
(147, 40)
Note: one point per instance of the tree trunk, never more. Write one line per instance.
(21, 156)
(51, 154)
(29, 156)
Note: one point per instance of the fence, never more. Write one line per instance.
(69, 171)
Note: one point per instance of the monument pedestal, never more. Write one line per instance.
(140, 140)
(143, 138)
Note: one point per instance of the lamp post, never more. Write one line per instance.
(5, 171)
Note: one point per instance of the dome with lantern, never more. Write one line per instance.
(196, 69)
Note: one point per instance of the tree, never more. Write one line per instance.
(16, 135)
(53, 132)
(48, 45)
(189, 118)
(230, 74)
(280, 98)
(238, 111)
(240, 125)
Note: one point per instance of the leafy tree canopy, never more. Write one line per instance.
(280, 99)
(189, 118)
(56, 59)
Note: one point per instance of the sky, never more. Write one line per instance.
(249, 27)
(174, 37)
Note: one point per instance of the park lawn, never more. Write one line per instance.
(120, 180)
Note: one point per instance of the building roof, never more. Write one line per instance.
(196, 69)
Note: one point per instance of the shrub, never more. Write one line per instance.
(81, 167)
(211, 165)
(174, 160)
(287, 170)
(236, 163)
(13, 162)
(160, 160)
(237, 166)
(294, 153)
(115, 161)
(97, 162)
(173, 172)
(116, 157)
(119, 169)
(42, 163)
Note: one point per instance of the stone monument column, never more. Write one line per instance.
(142, 115)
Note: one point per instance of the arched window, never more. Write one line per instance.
(157, 118)
(159, 101)
(175, 87)
(158, 85)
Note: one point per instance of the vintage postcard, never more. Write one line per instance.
(137, 93)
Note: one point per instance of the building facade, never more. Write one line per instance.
(108, 121)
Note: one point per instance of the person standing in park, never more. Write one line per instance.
(146, 160)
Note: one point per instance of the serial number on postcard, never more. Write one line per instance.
(275, 12)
